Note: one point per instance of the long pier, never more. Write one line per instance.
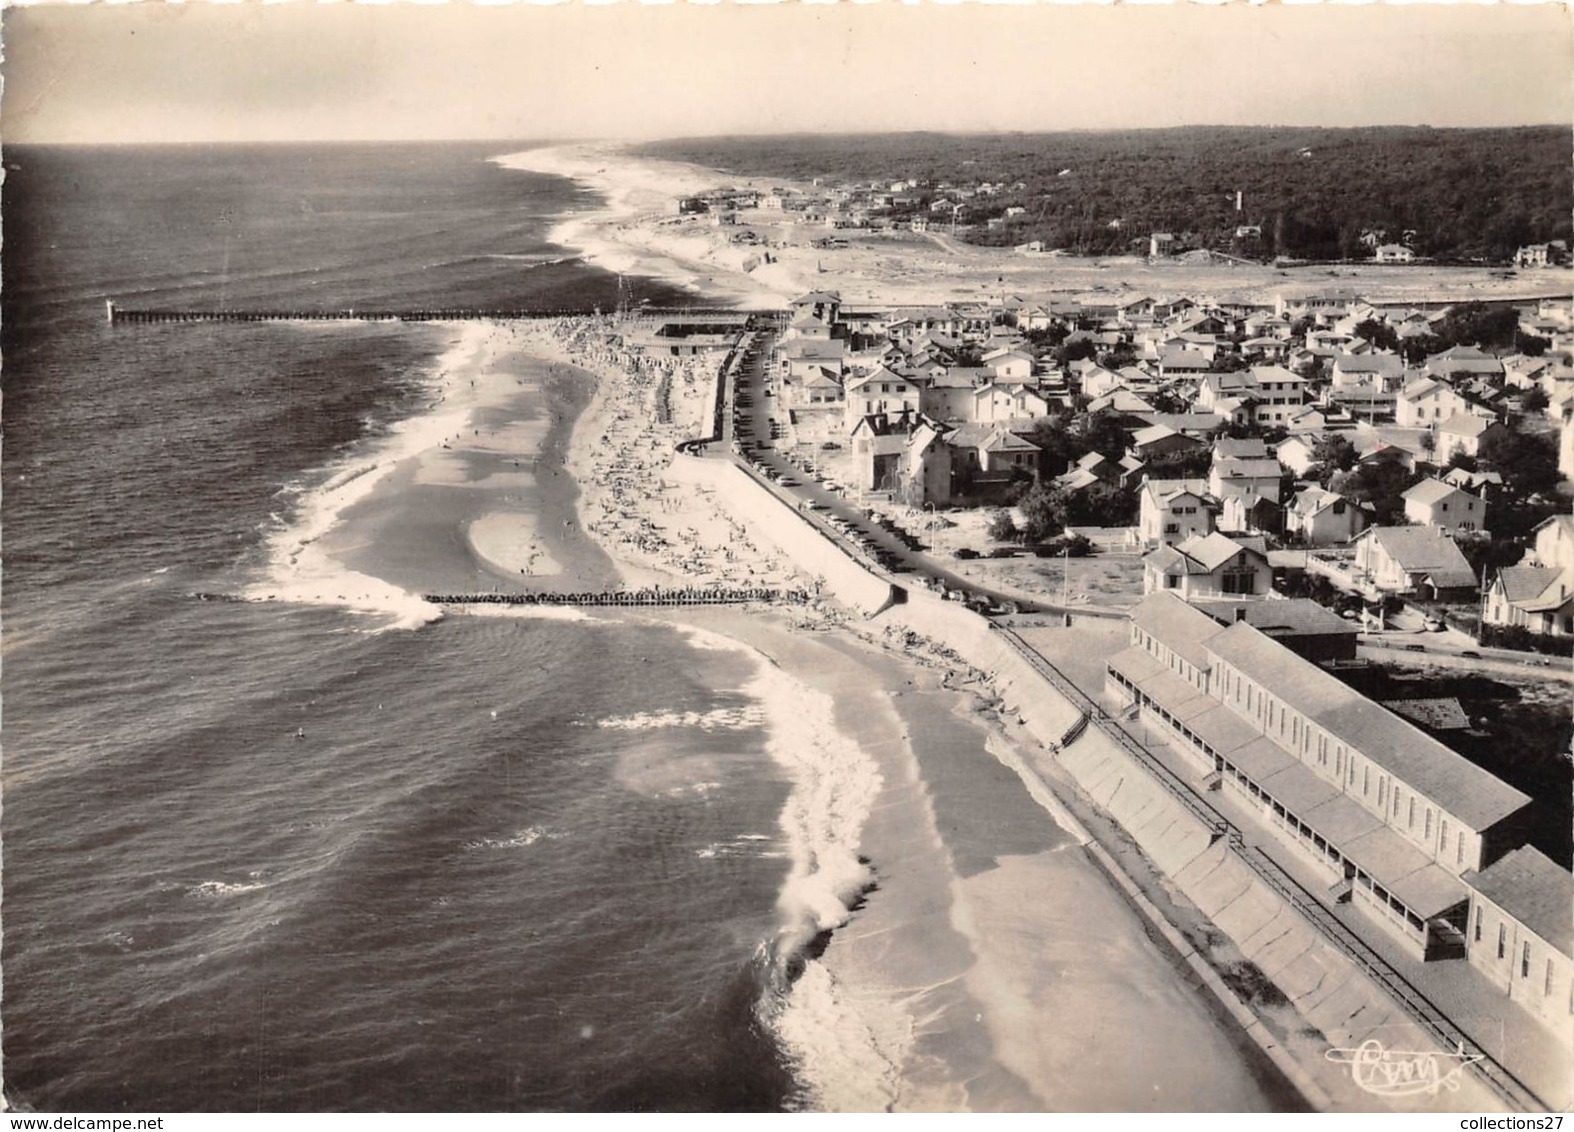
(651, 597)
(116, 314)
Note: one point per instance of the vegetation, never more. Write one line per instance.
(1458, 194)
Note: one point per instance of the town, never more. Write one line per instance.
(1298, 487)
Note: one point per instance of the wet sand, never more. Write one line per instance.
(991, 965)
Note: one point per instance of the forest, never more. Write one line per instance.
(1451, 194)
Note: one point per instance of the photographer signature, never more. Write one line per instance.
(1398, 1073)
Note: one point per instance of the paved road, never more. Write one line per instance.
(751, 408)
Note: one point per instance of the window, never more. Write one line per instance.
(1171, 528)
(1382, 790)
(1546, 988)
(1524, 961)
(1442, 836)
(1502, 940)
(1366, 781)
(1410, 818)
(1426, 827)
(1459, 850)
(1479, 916)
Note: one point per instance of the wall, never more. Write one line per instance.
(772, 521)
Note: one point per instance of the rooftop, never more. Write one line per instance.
(1535, 890)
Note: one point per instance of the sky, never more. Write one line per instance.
(154, 72)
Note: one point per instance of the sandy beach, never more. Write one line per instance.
(640, 232)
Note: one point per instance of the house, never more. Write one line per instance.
(821, 386)
(1232, 475)
(992, 451)
(1098, 381)
(878, 443)
(1161, 244)
(1464, 361)
(1395, 253)
(1161, 440)
(1324, 518)
(1009, 364)
(1539, 599)
(1390, 818)
(1433, 503)
(1270, 394)
(1414, 560)
(1426, 401)
(948, 395)
(1172, 511)
(1242, 448)
(1532, 255)
(1212, 565)
(1297, 453)
(1247, 513)
(1092, 468)
(1484, 484)
(1521, 935)
(823, 305)
(1464, 432)
(1181, 363)
(996, 403)
(883, 391)
(1380, 370)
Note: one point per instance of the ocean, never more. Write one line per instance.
(274, 856)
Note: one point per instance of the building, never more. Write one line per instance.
(882, 391)
(1414, 560)
(1538, 599)
(1433, 503)
(1532, 255)
(1391, 817)
(1324, 518)
(1299, 624)
(1464, 432)
(1231, 475)
(1521, 934)
(1172, 511)
(1395, 253)
(1206, 566)
(1427, 401)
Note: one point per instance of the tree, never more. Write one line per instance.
(1382, 483)
(1059, 446)
(1528, 463)
(1043, 513)
(1075, 351)
(1102, 433)
(1002, 528)
(1476, 324)
(1378, 333)
(1420, 347)
(1332, 453)
(1534, 401)
(1530, 345)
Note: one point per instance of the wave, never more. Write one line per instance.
(299, 570)
(521, 840)
(840, 1061)
(717, 719)
(210, 888)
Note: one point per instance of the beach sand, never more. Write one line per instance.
(989, 965)
(640, 232)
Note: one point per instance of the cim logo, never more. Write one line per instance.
(1400, 1073)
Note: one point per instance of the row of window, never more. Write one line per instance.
(1282, 816)
(1524, 955)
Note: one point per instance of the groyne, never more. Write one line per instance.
(644, 597)
(116, 314)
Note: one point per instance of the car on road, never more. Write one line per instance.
(1433, 624)
(1415, 648)
(1470, 654)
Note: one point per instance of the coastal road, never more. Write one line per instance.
(754, 417)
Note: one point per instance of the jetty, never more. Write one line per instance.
(116, 314)
(641, 597)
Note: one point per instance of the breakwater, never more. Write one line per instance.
(116, 314)
(642, 597)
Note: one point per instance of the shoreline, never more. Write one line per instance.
(639, 232)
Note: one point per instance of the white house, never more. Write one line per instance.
(1420, 560)
(1172, 511)
(1426, 402)
(882, 391)
(1324, 518)
(1433, 503)
(1212, 565)
(1521, 935)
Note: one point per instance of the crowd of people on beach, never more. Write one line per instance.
(645, 406)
